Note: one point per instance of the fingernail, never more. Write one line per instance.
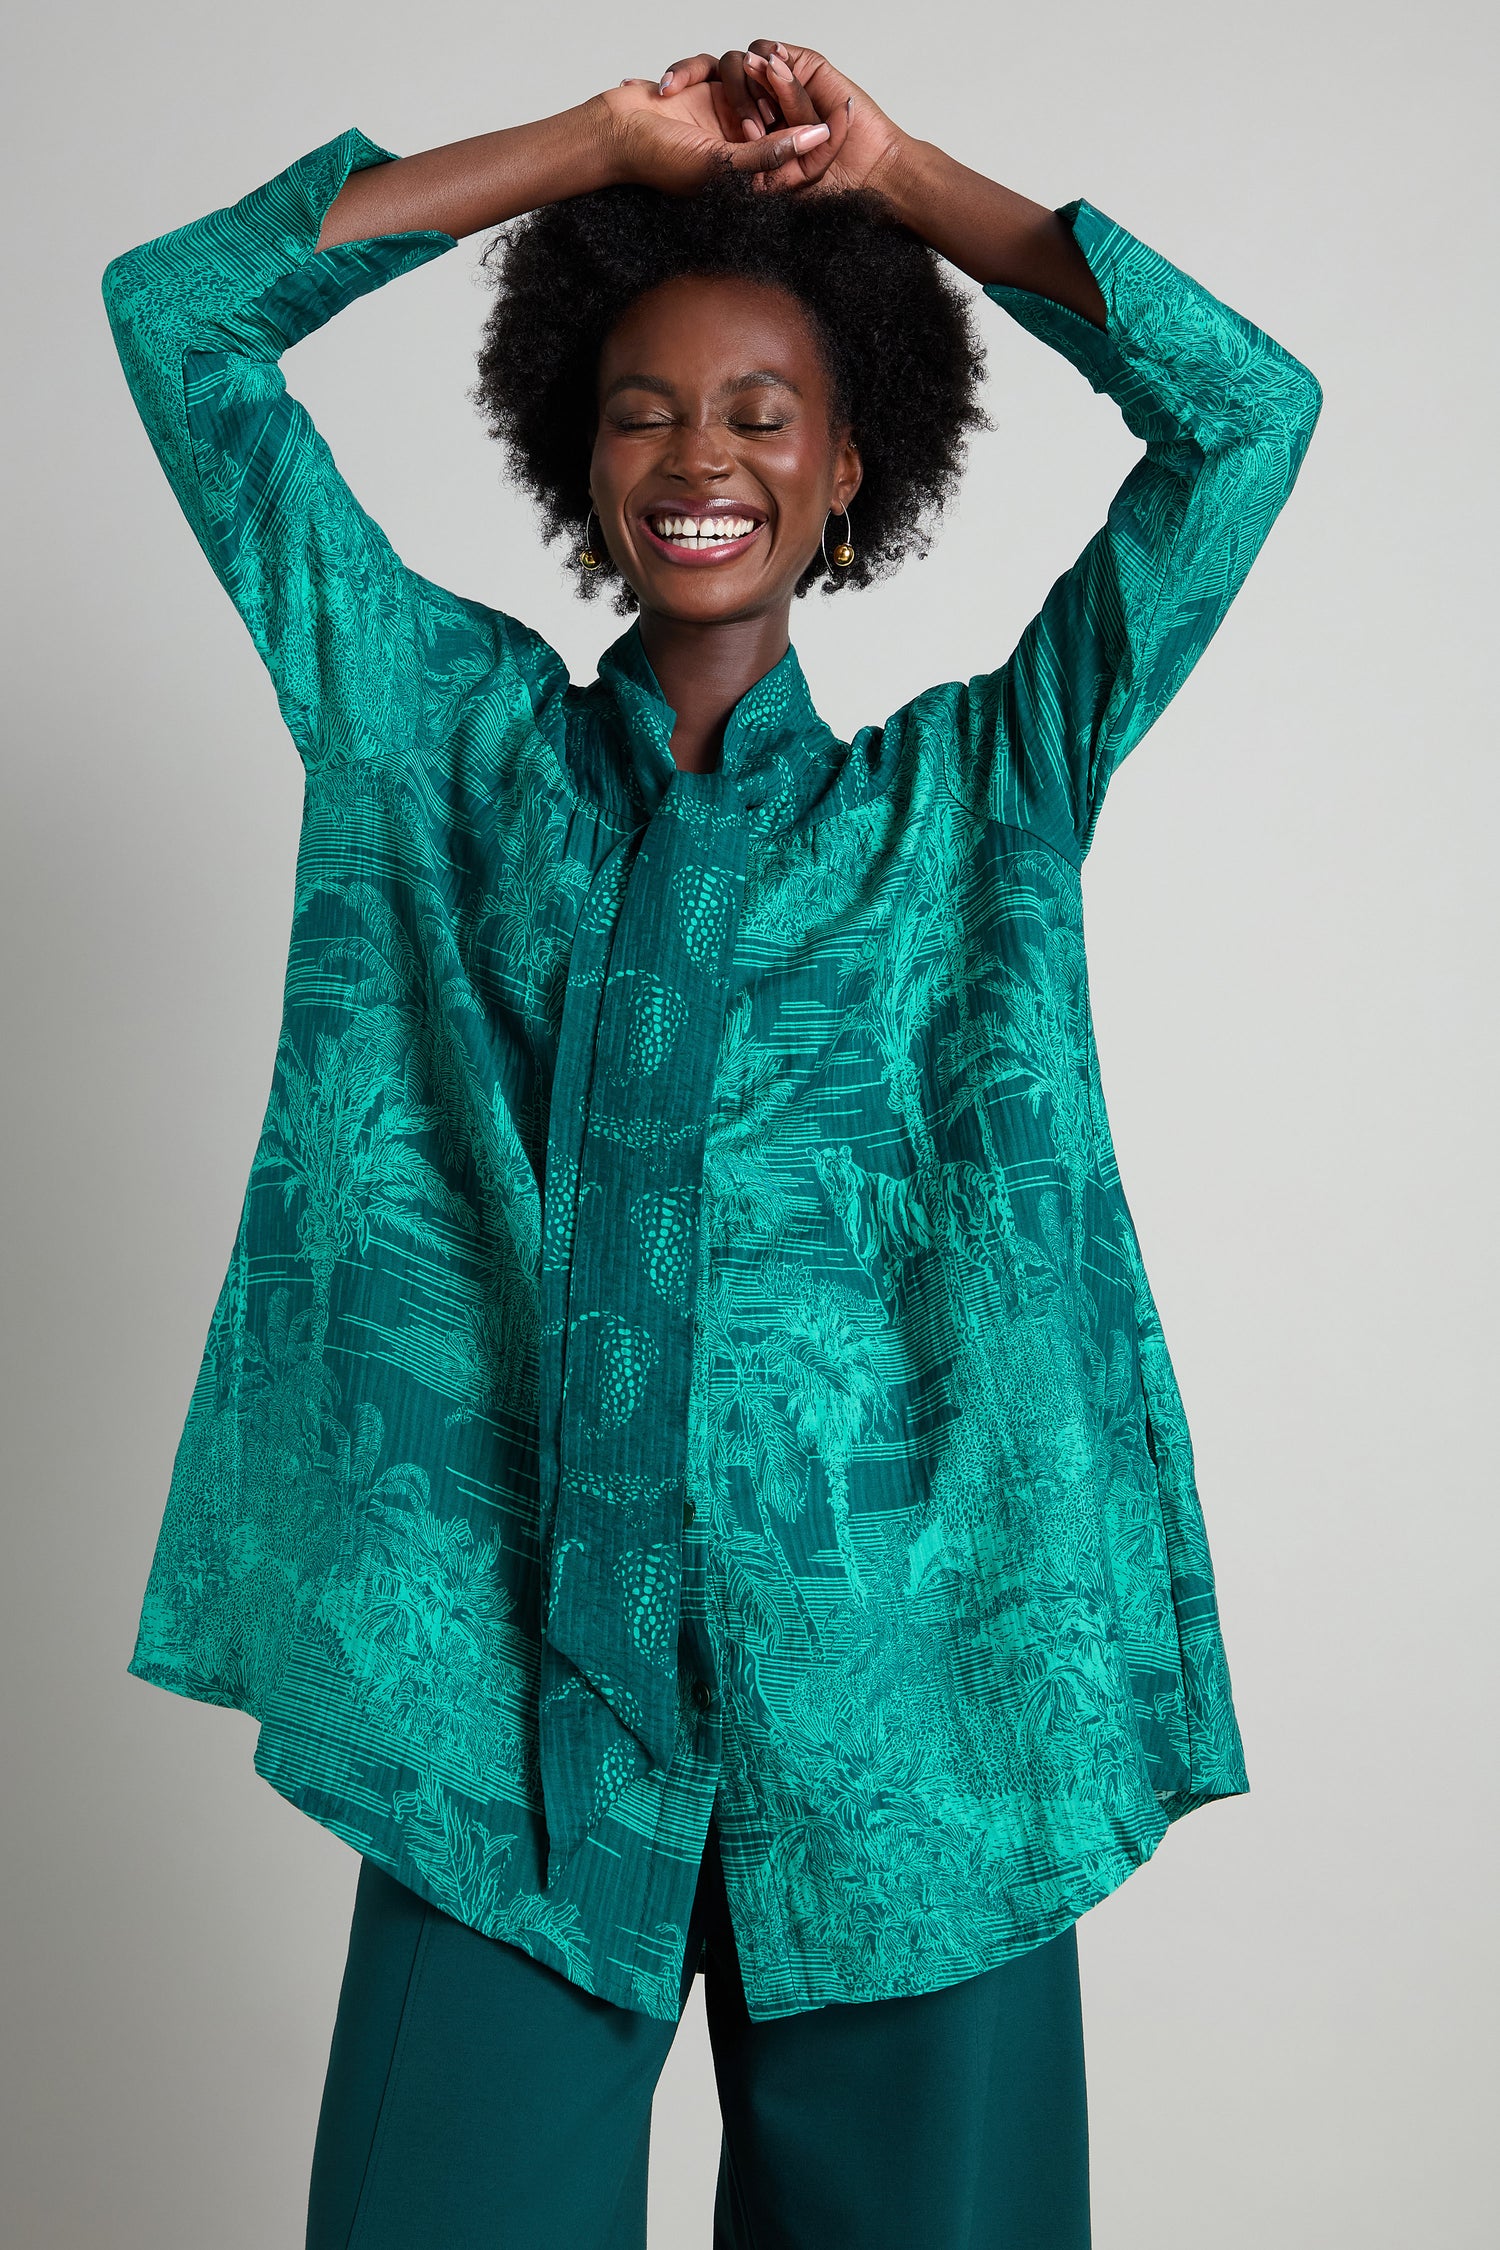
(849, 107)
(767, 113)
(779, 69)
(754, 130)
(808, 136)
(781, 50)
(666, 82)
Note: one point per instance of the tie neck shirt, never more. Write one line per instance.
(685, 1348)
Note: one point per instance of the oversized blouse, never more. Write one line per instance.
(685, 1349)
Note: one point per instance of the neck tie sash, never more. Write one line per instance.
(643, 1015)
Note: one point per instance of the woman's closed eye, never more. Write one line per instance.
(752, 423)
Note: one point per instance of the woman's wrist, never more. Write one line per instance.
(605, 141)
(521, 167)
(988, 231)
(907, 176)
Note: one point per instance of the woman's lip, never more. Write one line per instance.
(695, 557)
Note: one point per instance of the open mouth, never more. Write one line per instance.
(704, 536)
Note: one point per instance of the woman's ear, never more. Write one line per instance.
(848, 473)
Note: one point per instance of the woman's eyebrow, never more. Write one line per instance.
(759, 377)
(655, 383)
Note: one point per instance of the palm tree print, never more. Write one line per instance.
(779, 1084)
(810, 1389)
(340, 1139)
(421, 1609)
(823, 1358)
(466, 1867)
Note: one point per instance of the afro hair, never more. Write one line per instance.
(900, 345)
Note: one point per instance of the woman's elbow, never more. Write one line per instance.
(1300, 401)
(119, 284)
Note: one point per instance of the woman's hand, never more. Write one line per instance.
(761, 90)
(675, 140)
(988, 231)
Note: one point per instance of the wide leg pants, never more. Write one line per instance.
(476, 2100)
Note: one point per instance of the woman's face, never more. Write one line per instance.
(716, 458)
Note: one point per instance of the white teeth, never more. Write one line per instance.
(709, 531)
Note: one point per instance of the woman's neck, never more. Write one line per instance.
(703, 670)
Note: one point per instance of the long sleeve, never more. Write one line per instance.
(360, 650)
(1226, 415)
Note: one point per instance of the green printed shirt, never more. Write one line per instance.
(685, 1348)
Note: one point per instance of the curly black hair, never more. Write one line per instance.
(899, 341)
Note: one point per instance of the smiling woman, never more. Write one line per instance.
(829, 355)
(718, 444)
(685, 1467)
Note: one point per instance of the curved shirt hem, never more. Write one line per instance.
(508, 1919)
(619, 1989)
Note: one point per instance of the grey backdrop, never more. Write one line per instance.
(1290, 2014)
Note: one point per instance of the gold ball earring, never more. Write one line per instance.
(588, 560)
(843, 553)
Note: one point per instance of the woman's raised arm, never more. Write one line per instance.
(359, 650)
(1225, 414)
(989, 232)
(628, 134)
(363, 654)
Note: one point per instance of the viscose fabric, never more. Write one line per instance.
(685, 1340)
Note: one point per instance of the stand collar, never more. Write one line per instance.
(780, 759)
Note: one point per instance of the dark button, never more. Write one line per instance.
(703, 1695)
(688, 1513)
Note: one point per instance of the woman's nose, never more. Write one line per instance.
(697, 455)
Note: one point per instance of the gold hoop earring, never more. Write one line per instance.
(843, 553)
(587, 559)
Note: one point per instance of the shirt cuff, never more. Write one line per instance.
(315, 284)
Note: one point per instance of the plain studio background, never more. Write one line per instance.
(1288, 2016)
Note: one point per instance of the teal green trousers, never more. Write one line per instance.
(476, 2100)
